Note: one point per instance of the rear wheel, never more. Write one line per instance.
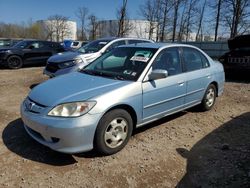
(209, 98)
(113, 131)
(14, 62)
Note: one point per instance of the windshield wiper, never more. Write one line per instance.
(86, 71)
(103, 74)
(119, 77)
(96, 73)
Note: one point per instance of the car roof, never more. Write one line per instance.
(123, 38)
(37, 40)
(158, 45)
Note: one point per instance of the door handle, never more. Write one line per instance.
(208, 75)
(180, 83)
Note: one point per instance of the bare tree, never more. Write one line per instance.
(237, 16)
(183, 20)
(122, 14)
(176, 10)
(93, 26)
(217, 19)
(49, 30)
(81, 14)
(201, 16)
(187, 21)
(166, 7)
(58, 27)
(150, 11)
(190, 15)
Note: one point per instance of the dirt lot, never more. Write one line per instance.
(189, 149)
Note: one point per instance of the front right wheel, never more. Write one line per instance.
(113, 131)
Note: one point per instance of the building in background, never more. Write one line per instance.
(133, 28)
(58, 30)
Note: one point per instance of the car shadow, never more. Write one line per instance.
(34, 85)
(220, 159)
(18, 141)
(238, 78)
(24, 66)
(159, 122)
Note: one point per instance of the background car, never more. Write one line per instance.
(28, 52)
(8, 42)
(78, 44)
(73, 61)
(128, 87)
(237, 60)
(67, 45)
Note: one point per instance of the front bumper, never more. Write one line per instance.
(236, 68)
(66, 135)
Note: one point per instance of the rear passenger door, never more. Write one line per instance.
(198, 75)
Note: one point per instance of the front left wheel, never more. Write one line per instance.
(14, 62)
(113, 131)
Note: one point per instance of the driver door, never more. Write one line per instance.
(166, 95)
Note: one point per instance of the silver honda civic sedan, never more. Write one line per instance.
(128, 87)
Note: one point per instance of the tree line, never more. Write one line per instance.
(172, 20)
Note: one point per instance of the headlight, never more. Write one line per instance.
(70, 63)
(5, 51)
(73, 109)
(77, 60)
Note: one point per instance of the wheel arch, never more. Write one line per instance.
(18, 55)
(216, 86)
(127, 108)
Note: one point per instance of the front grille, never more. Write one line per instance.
(239, 59)
(52, 67)
(33, 106)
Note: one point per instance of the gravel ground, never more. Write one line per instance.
(188, 149)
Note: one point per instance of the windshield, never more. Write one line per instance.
(123, 63)
(21, 44)
(93, 46)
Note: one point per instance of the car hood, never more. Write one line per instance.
(69, 56)
(239, 41)
(73, 87)
(4, 49)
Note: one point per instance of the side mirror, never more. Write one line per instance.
(158, 74)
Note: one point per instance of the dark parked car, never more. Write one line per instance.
(28, 52)
(7, 42)
(237, 60)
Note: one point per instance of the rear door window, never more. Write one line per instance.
(137, 41)
(193, 59)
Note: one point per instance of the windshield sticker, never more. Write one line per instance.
(127, 72)
(139, 58)
(102, 42)
(133, 73)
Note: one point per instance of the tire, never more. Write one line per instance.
(14, 62)
(113, 132)
(208, 100)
